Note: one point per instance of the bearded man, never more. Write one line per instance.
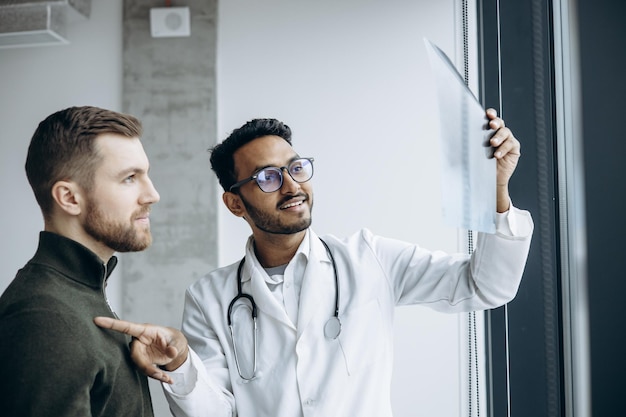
(89, 174)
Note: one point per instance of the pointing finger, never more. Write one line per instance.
(131, 329)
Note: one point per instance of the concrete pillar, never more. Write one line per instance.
(169, 83)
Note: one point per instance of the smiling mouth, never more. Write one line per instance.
(292, 204)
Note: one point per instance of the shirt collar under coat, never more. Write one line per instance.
(313, 253)
(310, 246)
(73, 260)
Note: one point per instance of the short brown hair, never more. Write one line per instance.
(62, 148)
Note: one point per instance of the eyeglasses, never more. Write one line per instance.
(270, 179)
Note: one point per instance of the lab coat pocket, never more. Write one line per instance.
(362, 338)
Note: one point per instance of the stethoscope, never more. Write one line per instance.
(331, 329)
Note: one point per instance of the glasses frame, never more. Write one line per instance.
(282, 176)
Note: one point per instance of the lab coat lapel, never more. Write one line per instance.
(263, 297)
(317, 296)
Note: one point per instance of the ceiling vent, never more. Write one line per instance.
(26, 23)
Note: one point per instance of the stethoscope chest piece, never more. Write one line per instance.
(332, 328)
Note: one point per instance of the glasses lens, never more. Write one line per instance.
(269, 179)
(301, 170)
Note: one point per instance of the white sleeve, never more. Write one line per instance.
(192, 394)
(514, 223)
(457, 282)
(498, 263)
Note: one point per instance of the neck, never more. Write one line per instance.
(76, 233)
(274, 249)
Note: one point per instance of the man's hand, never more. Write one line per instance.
(507, 153)
(152, 346)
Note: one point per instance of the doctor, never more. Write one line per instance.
(311, 317)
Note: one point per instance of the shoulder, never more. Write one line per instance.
(362, 239)
(215, 282)
(361, 236)
(355, 246)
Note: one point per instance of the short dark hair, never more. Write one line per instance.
(222, 160)
(62, 148)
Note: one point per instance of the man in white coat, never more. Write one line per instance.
(303, 325)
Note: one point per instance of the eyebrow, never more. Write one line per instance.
(274, 165)
(132, 170)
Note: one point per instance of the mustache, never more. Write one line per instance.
(142, 212)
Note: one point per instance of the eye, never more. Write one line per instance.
(301, 170)
(296, 167)
(269, 175)
(130, 179)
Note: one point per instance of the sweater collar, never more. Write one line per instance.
(73, 259)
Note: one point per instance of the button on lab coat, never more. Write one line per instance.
(300, 371)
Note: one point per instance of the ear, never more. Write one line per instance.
(67, 197)
(234, 203)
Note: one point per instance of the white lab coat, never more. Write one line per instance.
(300, 372)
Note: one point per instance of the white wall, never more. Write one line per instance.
(352, 80)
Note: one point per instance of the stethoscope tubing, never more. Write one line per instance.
(239, 296)
(332, 328)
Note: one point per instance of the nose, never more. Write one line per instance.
(289, 184)
(150, 195)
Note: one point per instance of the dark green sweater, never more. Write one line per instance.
(55, 361)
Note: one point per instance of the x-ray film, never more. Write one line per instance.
(468, 169)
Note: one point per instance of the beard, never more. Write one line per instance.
(119, 236)
(271, 223)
